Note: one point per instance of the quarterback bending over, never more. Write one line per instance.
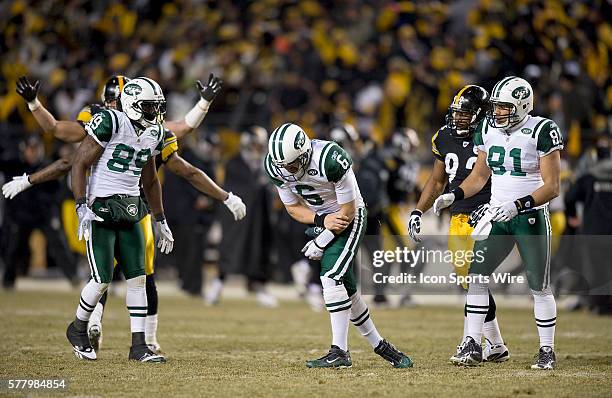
(316, 183)
(521, 153)
(455, 156)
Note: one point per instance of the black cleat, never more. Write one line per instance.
(469, 355)
(142, 353)
(80, 343)
(335, 358)
(545, 359)
(395, 357)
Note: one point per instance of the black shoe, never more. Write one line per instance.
(545, 359)
(335, 358)
(80, 343)
(397, 358)
(142, 353)
(469, 355)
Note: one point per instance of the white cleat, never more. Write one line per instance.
(213, 293)
(155, 347)
(495, 353)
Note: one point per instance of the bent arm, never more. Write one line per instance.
(433, 187)
(196, 177)
(88, 152)
(300, 213)
(152, 189)
(179, 128)
(65, 130)
(54, 171)
(478, 177)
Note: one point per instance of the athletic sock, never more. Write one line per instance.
(96, 315)
(138, 338)
(90, 295)
(152, 299)
(360, 317)
(477, 308)
(490, 329)
(136, 302)
(545, 311)
(151, 329)
(338, 304)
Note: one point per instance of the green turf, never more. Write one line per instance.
(239, 349)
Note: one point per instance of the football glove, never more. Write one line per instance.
(212, 88)
(15, 187)
(505, 212)
(85, 216)
(443, 202)
(28, 91)
(166, 241)
(312, 251)
(477, 214)
(414, 225)
(236, 206)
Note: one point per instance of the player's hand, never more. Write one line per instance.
(336, 222)
(85, 216)
(166, 241)
(15, 187)
(28, 91)
(504, 212)
(312, 251)
(414, 225)
(477, 214)
(212, 88)
(443, 202)
(236, 206)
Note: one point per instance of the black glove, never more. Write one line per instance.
(212, 88)
(27, 90)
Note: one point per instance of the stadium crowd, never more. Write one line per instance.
(387, 68)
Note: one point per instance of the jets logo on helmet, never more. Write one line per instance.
(511, 101)
(143, 101)
(290, 149)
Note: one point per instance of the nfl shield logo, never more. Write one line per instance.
(531, 221)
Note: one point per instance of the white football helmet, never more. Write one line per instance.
(143, 101)
(290, 150)
(515, 92)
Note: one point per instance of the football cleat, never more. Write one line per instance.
(80, 343)
(142, 353)
(455, 357)
(470, 354)
(395, 357)
(545, 359)
(95, 336)
(495, 353)
(155, 347)
(335, 358)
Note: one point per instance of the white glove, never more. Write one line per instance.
(85, 216)
(312, 251)
(166, 241)
(443, 202)
(414, 225)
(15, 187)
(504, 212)
(236, 206)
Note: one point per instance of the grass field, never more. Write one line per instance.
(239, 349)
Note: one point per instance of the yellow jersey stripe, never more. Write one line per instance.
(434, 148)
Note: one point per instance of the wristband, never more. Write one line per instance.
(416, 212)
(80, 201)
(319, 220)
(524, 203)
(324, 239)
(458, 192)
(194, 117)
(159, 217)
(34, 105)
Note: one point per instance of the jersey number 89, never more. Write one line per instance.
(122, 157)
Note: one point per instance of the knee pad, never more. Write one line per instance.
(100, 288)
(336, 299)
(137, 282)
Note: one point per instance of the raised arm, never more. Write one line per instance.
(196, 115)
(65, 130)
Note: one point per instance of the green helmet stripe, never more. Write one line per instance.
(273, 141)
(280, 141)
(146, 79)
(499, 85)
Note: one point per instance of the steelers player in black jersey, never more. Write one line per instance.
(73, 131)
(455, 156)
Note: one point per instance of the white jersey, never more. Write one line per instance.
(329, 180)
(118, 169)
(514, 159)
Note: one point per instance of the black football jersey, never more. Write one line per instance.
(459, 156)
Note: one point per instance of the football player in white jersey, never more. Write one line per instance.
(316, 183)
(120, 149)
(521, 153)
